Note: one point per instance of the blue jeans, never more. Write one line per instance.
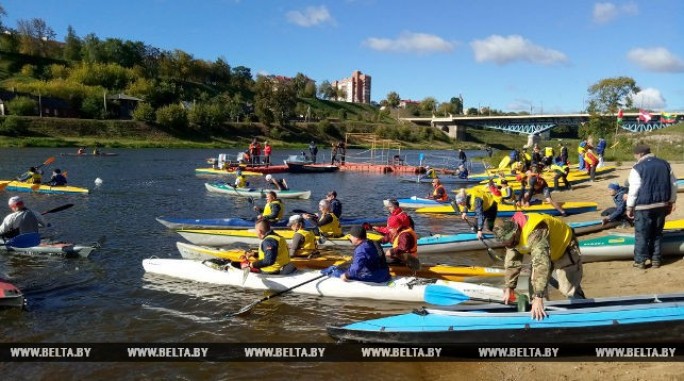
(648, 232)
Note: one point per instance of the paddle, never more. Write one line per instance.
(250, 306)
(444, 296)
(492, 255)
(27, 174)
(58, 209)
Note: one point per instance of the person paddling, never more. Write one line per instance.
(304, 242)
(34, 176)
(273, 256)
(438, 191)
(57, 179)
(404, 241)
(327, 222)
(273, 210)
(368, 263)
(22, 220)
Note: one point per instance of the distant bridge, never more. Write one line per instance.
(532, 124)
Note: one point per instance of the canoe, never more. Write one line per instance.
(450, 180)
(415, 202)
(674, 225)
(90, 154)
(621, 246)
(311, 168)
(680, 185)
(432, 271)
(254, 192)
(18, 186)
(63, 249)
(509, 210)
(406, 289)
(229, 171)
(244, 223)
(225, 237)
(10, 296)
(636, 319)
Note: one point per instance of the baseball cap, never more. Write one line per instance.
(358, 231)
(614, 186)
(505, 230)
(294, 219)
(14, 200)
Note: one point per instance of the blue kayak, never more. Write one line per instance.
(244, 223)
(642, 319)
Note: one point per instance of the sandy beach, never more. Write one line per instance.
(617, 278)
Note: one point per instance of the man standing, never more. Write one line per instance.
(652, 195)
(600, 149)
(553, 247)
(313, 150)
(267, 154)
(22, 220)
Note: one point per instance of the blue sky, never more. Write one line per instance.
(535, 55)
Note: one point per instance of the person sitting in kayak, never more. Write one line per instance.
(395, 211)
(368, 263)
(96, 151)
(438, 191)
(81, 151)
(537, 185)
(304, 242)
(240, 180)
(273, 210)
(335, 203)
(553, 247)
(328, 224)
(404, 241)
(482, 203)
(618, 213)
(279, 184)
(462, 172)
(34, 176)
(57, 179)
(506, 193)
(273, 256)
(430, 172)
(22, 220)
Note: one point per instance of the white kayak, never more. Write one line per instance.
(63, 249)
(407, 289)
(226, 237)
(228, 189)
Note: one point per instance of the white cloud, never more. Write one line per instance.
(409, 42)
(606, 12)
(656, 59)
(311, 16)
(649, 98)
(504, 50)
(521, 105)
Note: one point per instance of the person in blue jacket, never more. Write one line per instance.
(368, 264)
(618, 193)
(600, 150)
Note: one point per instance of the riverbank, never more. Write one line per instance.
(601, 279)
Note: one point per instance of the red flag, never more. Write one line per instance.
(619, 116)
(644, 116)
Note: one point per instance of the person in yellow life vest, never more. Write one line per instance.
(590, 161)
(506, 193)
(548, 155)
(404, 241)
(553, 247)
(240, 180)
(303, 241)
(533, 184)
(273, 256)
(273, 210)
(438, 191)
(517, 167)
(430, 172)
(561, 171)
(581, 149)
(526, 158)
(482, 203)
(327, 222)
(35, 177)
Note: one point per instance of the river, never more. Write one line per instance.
(107, 298)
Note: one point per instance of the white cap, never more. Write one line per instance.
(269, 177)
(294, 219)
(14, 200)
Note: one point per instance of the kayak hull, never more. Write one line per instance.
(243, 223)
(311, 168)
(444, 180)
(508, 210)
(406, 289)
(68, 250)
(10, 296)
(17, 186)
(226, 237)
(417, 202)
(252, 192)
(617, 247)
(220, 172)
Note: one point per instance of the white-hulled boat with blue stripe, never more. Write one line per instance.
(231, 190)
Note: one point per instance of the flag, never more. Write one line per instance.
(668, 118)
(619, 116)
(644, 116)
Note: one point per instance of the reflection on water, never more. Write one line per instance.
(108, 298)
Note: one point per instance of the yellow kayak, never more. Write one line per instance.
(19, 186)
(674, 225)
(509, 210)
(224, 237)
(231, 171)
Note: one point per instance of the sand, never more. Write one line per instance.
(617, 278)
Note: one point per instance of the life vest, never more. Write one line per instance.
(527, 157)
(309, 246)
(548, 151)
(580, 149)
(412, 250)
(282, 258)
(517, 166)
(431, 173)
(267, 209)
(487, 199)
(240, 182)
(590, 158)
(562, 168)
(36, 178)
(333, 228)
(506, 192)
(560, 234)
(436, 192)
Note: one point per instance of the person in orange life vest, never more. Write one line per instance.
(535, 184)
(480, 202)
(267, 154)
(404, 241)
(493, 188)
(438, 191)
(590, 161)
(395, 211)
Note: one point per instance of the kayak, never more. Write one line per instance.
(618, 320)
(311, 168)
(90, 154)
(244, 223)
(229, 171)
(10, 296)
(680, 185)
(432, 271)
(621, 246)
(415, 202)
(18, 186)
(674, 225)
(230, 190)
(509, 210)
(225, 237)
(406, 289)
(451, 180)
(64, 249)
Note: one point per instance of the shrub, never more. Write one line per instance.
(144, 113)
(172, 116)
(13, 126)
(22, 106)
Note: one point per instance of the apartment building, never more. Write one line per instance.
(355, 89)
